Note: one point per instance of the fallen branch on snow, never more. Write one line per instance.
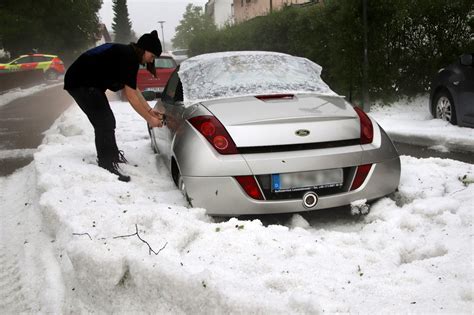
(80, 234)
(150, 250)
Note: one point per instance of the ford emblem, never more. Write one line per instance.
(302, 132)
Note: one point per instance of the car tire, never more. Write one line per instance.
(51, 75)
(179, 182)
(444, 107)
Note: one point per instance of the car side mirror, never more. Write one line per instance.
(149, 95)
(466, 59)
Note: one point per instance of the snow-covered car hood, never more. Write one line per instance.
(243, 73)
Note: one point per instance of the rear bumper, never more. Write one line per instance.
(224, 196)
(152, 87)
(56, 68)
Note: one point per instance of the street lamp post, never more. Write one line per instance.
(162, 34)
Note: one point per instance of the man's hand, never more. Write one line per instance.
(156, 113)
(155, 122)
(152, 116)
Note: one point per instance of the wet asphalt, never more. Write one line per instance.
(23, 121)
(426, 152)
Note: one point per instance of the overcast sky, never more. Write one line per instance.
(145, 15)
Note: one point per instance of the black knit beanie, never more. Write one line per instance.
(150, 42)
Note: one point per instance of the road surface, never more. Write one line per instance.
(22, 123)
(425, 152)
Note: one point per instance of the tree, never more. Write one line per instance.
(121, 24)
(194, 22)
(408, 41)
(27, 26)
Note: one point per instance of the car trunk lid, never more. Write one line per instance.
(287, 119)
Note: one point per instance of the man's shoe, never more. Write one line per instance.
(114, 169)
(121, 177)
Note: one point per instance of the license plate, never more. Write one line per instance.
(307, 180)
(157, 89)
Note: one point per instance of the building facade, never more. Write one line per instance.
(221, 11)
(247, 9)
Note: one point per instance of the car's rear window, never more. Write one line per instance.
(233, 74)
(41, 58)
(163, 63)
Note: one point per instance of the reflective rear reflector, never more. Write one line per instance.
(250, 186)
(361, 175)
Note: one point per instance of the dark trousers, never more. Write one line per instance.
(95, 105)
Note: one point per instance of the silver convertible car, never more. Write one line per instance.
(260, 132)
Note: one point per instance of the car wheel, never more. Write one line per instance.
(179, 182)
(51, 75)
(444, 107)
(182, 187)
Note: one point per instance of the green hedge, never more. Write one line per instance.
(409, 41)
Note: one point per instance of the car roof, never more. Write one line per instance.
(229, 54)
(38, 55)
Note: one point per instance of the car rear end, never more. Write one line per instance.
(165, 65)
(57, 65)
(284, 153)
(49, 63)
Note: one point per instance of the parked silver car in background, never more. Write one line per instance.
(260, 132)
(179, 55)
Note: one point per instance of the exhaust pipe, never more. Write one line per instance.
(310, 199)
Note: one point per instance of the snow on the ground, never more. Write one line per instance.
(410, 121)
(30, 278)
(14, 94)
(412, 253)
(16, 153)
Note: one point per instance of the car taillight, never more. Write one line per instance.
(366, 128)
(250, 186)
(361, 175)
(57, 61)
(215, 133)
